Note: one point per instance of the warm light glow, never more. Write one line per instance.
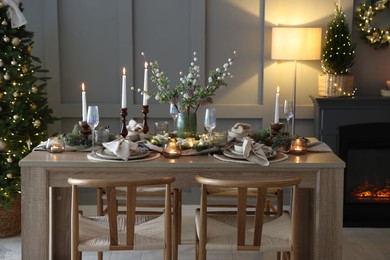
(289, 43)
(83, 86)
(124, 71)
(146, 64)
(277, 90)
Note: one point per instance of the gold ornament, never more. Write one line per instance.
(6, 38)
(15, 94)
(34, 89)
(9, 159)
(9, 175)
(14, 62)
(15, 41)
(7, 76)
(29, 48)
(37, 123)
(24, 69)
(33, 106)
(4, 23)
(16, 117)
(3, 145)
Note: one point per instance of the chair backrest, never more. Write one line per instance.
(242, 186)
(112, 208)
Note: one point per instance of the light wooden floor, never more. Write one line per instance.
(358, 244)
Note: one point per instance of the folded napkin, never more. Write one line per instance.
(239, 131)
(253, 152)
(122, 148)
(133, 126)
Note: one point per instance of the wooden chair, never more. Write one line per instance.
(115, 231)
(151, 198)
(243, 228)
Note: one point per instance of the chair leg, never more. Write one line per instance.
(196, 246)
(100, 255)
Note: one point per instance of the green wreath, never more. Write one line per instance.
(376, 37)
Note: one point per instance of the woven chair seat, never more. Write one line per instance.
(222, 232)
(213, 192)
(95, 234)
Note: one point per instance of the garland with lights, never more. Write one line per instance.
(24, 114)
(365, 13)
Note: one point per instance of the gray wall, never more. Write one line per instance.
(90, 41)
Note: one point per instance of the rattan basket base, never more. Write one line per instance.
(330, 85)
(10, 220)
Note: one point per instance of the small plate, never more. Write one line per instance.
(231, 153)
(106, 154)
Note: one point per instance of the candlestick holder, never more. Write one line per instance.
(124, 131)
(85, 129)
(276, 127)
(145, 111)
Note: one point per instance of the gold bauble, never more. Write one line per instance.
(34, 89)
(7, 76)
(15, 41)
(33, 106)
(29, 48)
(24, 69)
(37, 123)
(9, 160)
(3, 145)
(6, 39)
(16, 117)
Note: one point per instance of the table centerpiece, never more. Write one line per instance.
(189, 94)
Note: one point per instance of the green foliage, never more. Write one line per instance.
(265, 136)
(189, 94)
(24, 113)
(338, 53)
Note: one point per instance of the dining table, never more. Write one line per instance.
(46, 195)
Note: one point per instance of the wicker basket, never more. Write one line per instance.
(330, 85)
(10, 219)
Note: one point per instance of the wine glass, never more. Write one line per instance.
(288, 112)
(210, 121)
(93, 121)
(174, 114)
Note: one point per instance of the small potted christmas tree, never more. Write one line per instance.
(338, 56)
(24, 113)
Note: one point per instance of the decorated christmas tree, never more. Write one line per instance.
(338, 53)
(24, 113)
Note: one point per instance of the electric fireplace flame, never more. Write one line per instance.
(372, 192)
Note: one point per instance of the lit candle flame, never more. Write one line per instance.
(82, 86)
(124, 71)
(146, 64)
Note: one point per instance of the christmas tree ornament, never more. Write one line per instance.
(14, 62)
(15, 41)
(24, 69)
(37, 123)
(29, 49)
(7, 76)
(4, 23)
(34, 89)
(6, 38)
(9, 159)
(9, 175)
(3, 145)
(1, 63)
(16, 117)
(33, 106)
(15, 94)
(1, 95)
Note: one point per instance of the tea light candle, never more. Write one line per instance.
(172, 150)
(55, 145)
(298, 146)
(190, 142)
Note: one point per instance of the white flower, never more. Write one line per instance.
(226, 66)
(195, 59)
(194, 53)
(210, 79)
(180, 73)
(229, 60)
(190, 76)
(219, 78)
(157, 97)
(139, 90)
(192, 64)
(158, 75)
(218, 70)
(185, 95)
(194, 82)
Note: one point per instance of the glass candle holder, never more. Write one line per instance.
(55, 144)
(219, 139)
(298, 146)
(172, 150)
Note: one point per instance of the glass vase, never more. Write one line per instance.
(186, 124)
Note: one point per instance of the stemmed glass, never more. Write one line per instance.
(288, 112)
(93, 121)
(174, 114)
(210, 121)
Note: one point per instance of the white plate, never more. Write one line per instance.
(231, 153)
(106, 154)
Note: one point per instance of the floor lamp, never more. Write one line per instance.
(293, 44)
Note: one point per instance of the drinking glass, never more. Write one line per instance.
(210, 121)
(93, 121)
(288, 112)
(174, 113)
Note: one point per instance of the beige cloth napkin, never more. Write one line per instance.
(239, 131)
(253, 152)
(121, 148)
(318, 146)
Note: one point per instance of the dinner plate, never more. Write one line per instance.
(231, 153)
(106, 154)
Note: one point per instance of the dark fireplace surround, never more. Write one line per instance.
(358, 131)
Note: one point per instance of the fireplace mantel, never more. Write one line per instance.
(331, 113)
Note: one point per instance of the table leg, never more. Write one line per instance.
(35, 213)
(328, 208)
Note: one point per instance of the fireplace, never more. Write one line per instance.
(366, 150)
(357, 129)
